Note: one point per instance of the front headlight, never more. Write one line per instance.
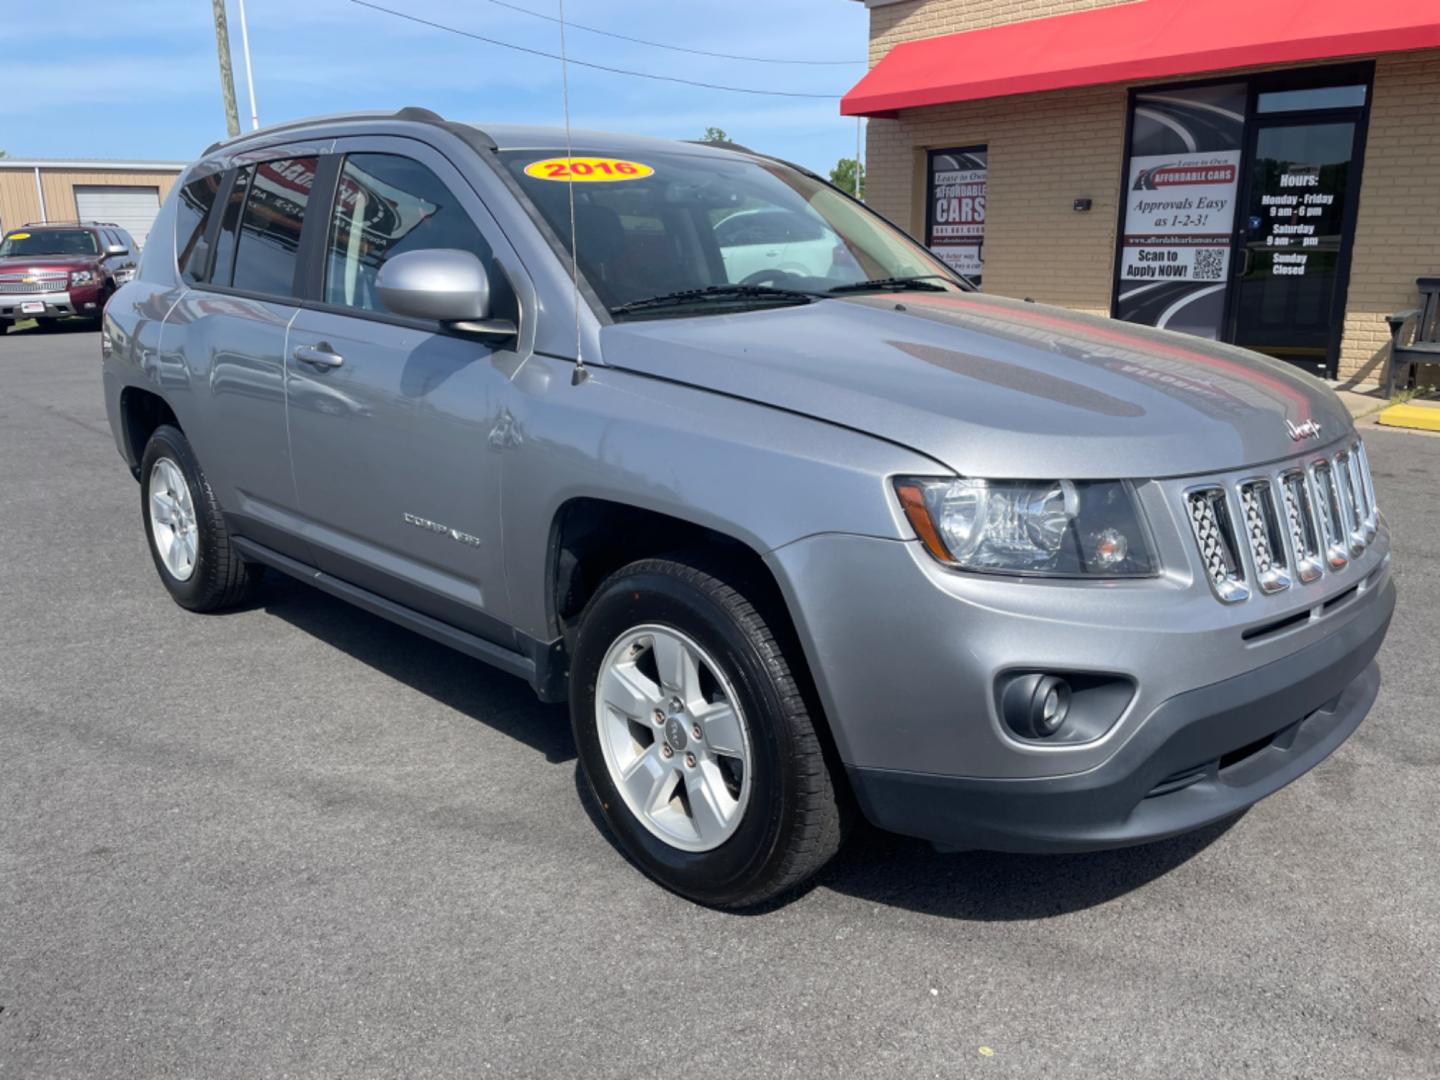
(1060, 528)
(82, 277)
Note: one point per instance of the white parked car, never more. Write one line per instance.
(755, 241)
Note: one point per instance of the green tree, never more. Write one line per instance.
(714, 134)
(846, 173)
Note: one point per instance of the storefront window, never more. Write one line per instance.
(1180, 196)
(1239, 210)
(955, 212)
(1287, 297)
(1315, 97)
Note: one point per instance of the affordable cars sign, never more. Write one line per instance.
(956, 213)
(1179, 212)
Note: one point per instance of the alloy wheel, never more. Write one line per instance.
(674, 737)
(172, 520)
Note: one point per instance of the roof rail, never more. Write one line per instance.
(754, 153)
(720, 144)
(413, 113)
(71, 221)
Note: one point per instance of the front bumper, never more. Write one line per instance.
(907, 658)
(1199, 757)
(86, 301)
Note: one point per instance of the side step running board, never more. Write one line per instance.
(467, 643)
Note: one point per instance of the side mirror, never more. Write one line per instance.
(116, 249)
(444, 284)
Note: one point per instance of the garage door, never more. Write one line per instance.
(132, 208)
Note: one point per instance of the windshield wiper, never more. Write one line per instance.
(893, 284)
(715, 292)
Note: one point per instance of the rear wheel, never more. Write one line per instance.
(696, 739)
(186, 531)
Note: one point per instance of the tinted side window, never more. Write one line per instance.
(387, 204)
(269, 242)
(230, 227)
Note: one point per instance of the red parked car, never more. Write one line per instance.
(53, 271)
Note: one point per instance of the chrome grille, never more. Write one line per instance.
(1352, 510)
(1361, 464)
(1215, 533)
(1262, 530)
(1300, 516)
(18, 285)
(1291, 525)
(1332, 515)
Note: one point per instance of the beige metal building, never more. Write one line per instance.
(127, 193)
(1260, 173)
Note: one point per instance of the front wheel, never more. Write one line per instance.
(696, 739)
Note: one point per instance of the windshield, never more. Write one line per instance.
(49, 242)
(652, 224)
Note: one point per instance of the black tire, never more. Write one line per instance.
(220, 578)
(4, 327)
(795, 819)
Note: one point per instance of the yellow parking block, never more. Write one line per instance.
(1410, 415)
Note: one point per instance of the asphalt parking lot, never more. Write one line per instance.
(297, 841)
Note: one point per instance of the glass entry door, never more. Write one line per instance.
(1294, 238)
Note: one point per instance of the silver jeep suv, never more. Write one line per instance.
(836, 537)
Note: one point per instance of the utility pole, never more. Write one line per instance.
(227, 78)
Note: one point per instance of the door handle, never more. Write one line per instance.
(320, 357)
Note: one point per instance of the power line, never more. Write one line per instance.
(597, 67)
(673, 48)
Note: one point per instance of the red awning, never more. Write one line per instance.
(1144, 40)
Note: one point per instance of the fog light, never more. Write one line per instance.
(1036, 706)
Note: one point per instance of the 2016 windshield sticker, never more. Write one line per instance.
(588, 169)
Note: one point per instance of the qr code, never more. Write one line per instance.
(1209, 264)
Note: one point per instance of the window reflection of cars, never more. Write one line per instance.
(763, 239)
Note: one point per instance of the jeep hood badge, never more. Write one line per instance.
(1310, 429)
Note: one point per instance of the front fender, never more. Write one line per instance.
(761, 476)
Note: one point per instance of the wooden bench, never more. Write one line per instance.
(1424, 346)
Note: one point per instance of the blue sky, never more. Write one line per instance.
(154, 92)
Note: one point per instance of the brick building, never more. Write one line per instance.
(1262, 173)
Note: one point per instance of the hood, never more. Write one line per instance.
(997, 387)
(48, 262)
